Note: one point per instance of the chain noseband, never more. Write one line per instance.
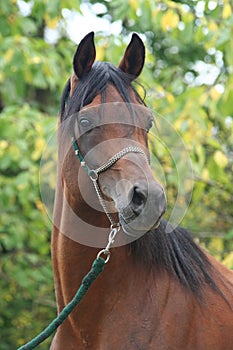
(94, 173)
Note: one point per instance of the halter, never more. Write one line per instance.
(94, 173)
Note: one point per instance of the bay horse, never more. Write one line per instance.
(159, 290)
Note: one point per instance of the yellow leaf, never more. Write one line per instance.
(3, 144)
(213, 26)
(205, 175)
(28, 76)
(133, 4)
(47, 71)
(177, 124)
(216, 244)
(40, 206)
(39, 129)
(35, 60)
(100, 54)
(8, 297)
(170, 97)
(226, 12)
(17, 38)
(214, 93)
(169, 20)
(21, 341)
(39, 147)
(228, 261)
(2, 77)
(221, 159)
(51, 22)
(8, 55)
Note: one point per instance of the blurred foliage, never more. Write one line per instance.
(189, 82)
(32, 75)
(25, 268)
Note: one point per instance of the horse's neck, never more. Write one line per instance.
(72, 261)
(137, 301)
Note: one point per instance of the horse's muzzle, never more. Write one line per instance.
(146, 204)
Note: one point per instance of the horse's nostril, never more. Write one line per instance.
(138, 197)
(138, 200)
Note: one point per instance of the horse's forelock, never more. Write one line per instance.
(82, 92)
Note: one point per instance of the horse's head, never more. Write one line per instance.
(109, 118)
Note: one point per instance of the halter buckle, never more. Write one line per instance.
(93, 175)
(116, 225)
(106, 253)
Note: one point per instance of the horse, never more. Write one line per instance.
(160, 290)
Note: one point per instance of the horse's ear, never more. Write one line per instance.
(84, 56)
(134, 57)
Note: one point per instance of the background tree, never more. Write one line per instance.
(188, 78)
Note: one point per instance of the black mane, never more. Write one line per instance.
(178, 254)
(93, 83)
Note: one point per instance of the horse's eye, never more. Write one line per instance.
(85, 123)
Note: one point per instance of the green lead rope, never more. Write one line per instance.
(96, 269)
